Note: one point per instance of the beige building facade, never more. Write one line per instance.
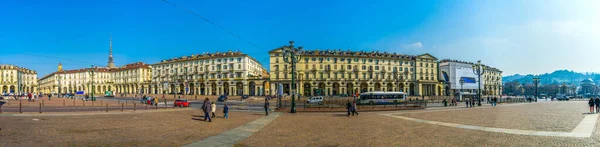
(130, 78)
(16, 80)
(337, 72)
(225, 73)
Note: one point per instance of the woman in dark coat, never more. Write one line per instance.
(591, 104)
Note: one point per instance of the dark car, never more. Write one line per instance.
(244, 96)
(222, 98)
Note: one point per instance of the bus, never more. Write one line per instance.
(461, 96)
(381, 97)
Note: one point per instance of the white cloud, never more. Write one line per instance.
(413, 45)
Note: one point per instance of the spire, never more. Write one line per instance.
(111, 63)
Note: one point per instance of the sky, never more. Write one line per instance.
(516, 36)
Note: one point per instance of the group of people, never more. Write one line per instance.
(149, 100)
(211, 107)
(493, 101)
(351, 108)
(594, 102)
(470, 102)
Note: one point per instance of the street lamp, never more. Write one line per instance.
(291, 56)
(91, 70)
(536, 81)
(478, 69)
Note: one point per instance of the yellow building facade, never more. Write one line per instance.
(221, 73)
(337, 72)
(492, 81)
(129, 78)
(14, 79)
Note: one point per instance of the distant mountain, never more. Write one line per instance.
(556, 77)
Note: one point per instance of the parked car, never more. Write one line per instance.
(315, 100)
(182, 103)
(244, 96)
(222, 98)
(564, 98)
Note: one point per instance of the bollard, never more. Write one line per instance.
(40, 107)
(133, 106)
(106, 107)
(20, 104)
(122, 107)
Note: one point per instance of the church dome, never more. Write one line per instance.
(587, 81)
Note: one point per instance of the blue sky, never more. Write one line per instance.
(533, 36)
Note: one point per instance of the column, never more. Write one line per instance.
(246, 89)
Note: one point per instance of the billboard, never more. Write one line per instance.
(465, 73)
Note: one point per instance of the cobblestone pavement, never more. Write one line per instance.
(564, 116)
(372, 129)
(141, 129)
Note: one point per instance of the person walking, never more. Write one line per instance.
(354, 108)
(597, 102)
(206, 108)
(349, 108)
(213, 108)
(467, 102)
(266, 107)
(225, 111)
(494, 101)
(156, 102)
(591, 104)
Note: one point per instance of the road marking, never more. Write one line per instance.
(233, 136)
(583, 130)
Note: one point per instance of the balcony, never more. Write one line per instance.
(327, 70)
(370, 70)
(354, 70)
(383, 70)
(313, 70)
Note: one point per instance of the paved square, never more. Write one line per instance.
(375, 129)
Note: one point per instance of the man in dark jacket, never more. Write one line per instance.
(597, 102)
(206, 108)
(349, 107)
(267, 106)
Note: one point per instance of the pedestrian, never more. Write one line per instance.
(467, 102)
(597, 102)
(213, 108)
(495, 101)
(349, 107)
(591, 104)
(225, 111)
(206, 108)
(156, 102)
(49, 96)
(354, 108)
(266, 107)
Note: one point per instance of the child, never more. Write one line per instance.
(225, 111)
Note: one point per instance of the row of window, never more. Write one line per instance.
(199, 62)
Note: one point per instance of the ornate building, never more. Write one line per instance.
(130, 78)
(453, 70)
(337, 72)
(228, 73)
(14, 79)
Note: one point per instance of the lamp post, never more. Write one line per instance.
(478, 69)
(536, 81)
(461, 82)
(91, 70)
(291, 56)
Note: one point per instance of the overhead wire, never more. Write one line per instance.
(211, 22)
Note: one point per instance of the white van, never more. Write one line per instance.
(315, 99)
